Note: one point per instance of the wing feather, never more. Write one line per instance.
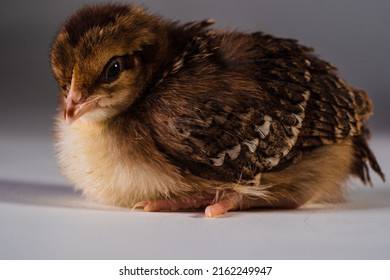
(228, 121)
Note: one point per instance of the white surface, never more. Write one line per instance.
(42, 218)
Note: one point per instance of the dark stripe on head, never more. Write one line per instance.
(93, 16)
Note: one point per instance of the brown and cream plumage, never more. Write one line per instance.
(163, 115)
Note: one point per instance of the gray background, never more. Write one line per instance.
(40, 215)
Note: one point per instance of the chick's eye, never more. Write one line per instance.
(113, 70)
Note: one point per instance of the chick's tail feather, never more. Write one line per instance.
(363, 157)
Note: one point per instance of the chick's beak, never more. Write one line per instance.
(75, 107)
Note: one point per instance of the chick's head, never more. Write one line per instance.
(103, 58)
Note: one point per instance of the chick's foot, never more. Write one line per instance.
(213, 208)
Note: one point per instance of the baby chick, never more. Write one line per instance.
(169, 116)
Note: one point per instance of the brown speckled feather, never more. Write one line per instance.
(255, 104)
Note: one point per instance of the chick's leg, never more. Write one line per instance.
(228, 202)
(174, 204)
(213, 208)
